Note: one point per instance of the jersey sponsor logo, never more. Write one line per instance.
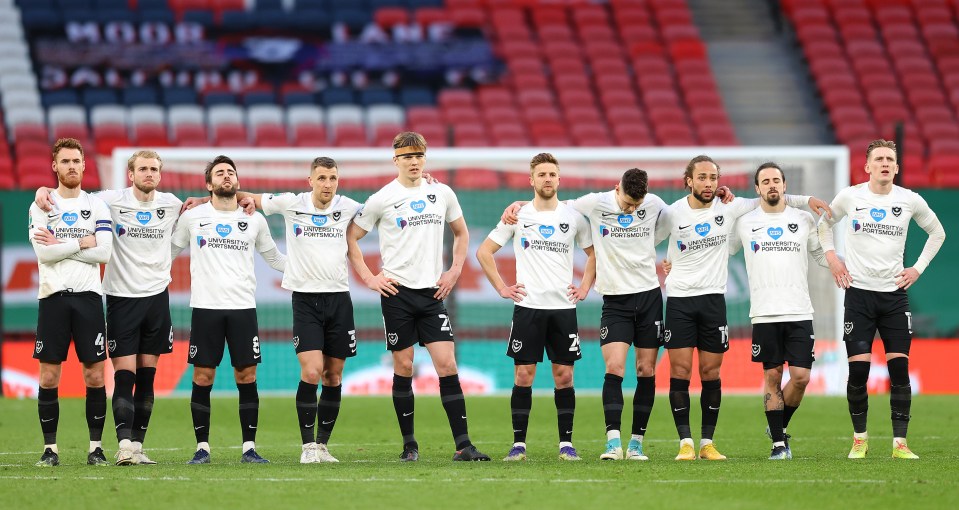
(856, 227)
(774, 232)
(392, 338)
(144, 217)
(297, 231)
(877, 214)
(564, 227)
(120, 229)
(847, 327)
(192, 351)
(547, 231)
(296, 341)
(401, 223)
(524, 242)
(624, 220)
(319, 219)
(431, 198)
(756, 349)
(223, 229)
(161, 213)
(719, 220)
(69, 218)
(516, 345)
(39, 346)
(793, 227)
(703, 229)
(418, 205)
(641, 214)
(85, 213)
(681, 246)
(603, 332)
(755, 246)
(200, 242)
(243, 225)
(603, 231)
(896, 211)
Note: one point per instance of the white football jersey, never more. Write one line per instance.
(64, 266)
(221, 255)
(876, 235)
(140, 265)
(315, 240)
(625, 243)
(698, 243)
(543, 245)
(411, 223)
(777, 246)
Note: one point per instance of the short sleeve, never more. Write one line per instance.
(453, 209)
(586, 203)
(502, 233)
(273, 203)
(370, 213)
(584, 237)
(264, 241)
(109, 196)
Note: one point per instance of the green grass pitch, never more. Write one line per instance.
(366, 440)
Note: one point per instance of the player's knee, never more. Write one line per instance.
(800, 380)
(403, 367)
(245, 377)
(615, 368)
(645, 369)
(202, 378)
(446, 367)
(49, 379)
(93, 376)
(310, 375)
(332, 378)
(524, 376)
(708, 373)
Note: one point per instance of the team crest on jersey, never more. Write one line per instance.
(719, 220)
(112, 345)
(564, 227)
(296, 341)
(847, 327)
(756, 349)
(392, 338)
(516, 345)
(242, 225)
(192, 351)
(793, 227)
(431, 198)
(161, 213)
(896, 211)
(336, 216)
(603, 332)
(641, 214)
(39, 346)
(85, 213)
(667, 335)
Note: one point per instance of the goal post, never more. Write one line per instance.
(486, 180)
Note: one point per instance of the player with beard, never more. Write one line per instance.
(544, 313)
(71, 242)
(222, 239)
(699, 229)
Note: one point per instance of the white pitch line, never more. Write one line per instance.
(451, 480)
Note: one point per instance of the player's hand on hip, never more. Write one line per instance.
(380, 283)
(667, 266)
(43, 199)
(576, 294)
(510, 214)
(192, 202)
(819, 207)
(839, 273)
(907, 277)
(515, 292)
(446, 283)
(725, 194)
(248, 205)
(45, 237)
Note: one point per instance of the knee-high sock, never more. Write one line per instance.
(249, 410)
(613, 401)
(643, 403)
(306, 410)
(143, 402)
(520, 404)
(856, 394)
(788, 412)
(451, 394)
(679, 403)
(200, 409)
(48, 407)
(565, 400)
(403, 405)
(900, 397)
(96, 412)
(123, 410)
(328, 408)
(709, 402)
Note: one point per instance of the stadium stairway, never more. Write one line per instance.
(760, 76)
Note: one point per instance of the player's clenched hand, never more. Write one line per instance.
(725, 194)
(510, 214)
(445, 284)
(380, 283)
(43, 199)
(515, 292)
(839, 273)
(576, 294)
(45, 237)
(248, 205)
(429, 178)
(192, 202)
(667, 267)
(907, 277)
(819, 206)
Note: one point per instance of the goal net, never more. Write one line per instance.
(486, 180)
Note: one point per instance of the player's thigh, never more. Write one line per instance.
(339, 328)
(562, 336)
(768, 344)
(859, 321)
(800, 344)
(433, 321)
(399, 320)
(617, 323)
(648, 322)
(243, 338)
(207, 337)
(308, 330)
(713, 331)
(527, 335)
(89, 327)
(681, 328)
(895, 322)
(157, 330)
(53, 330)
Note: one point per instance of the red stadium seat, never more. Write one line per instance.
(476, 179)
(230, 135)
(190, 135)
(151, 135)
(270, 135)
(310, 135)
(34, 171)
(350, 135)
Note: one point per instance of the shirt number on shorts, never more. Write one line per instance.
(446, 323)
(724, 331)
(909, 321)
(574, 343)
(99, 343)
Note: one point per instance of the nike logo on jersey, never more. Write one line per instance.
(124, 212)
(397, 206)
(204, 224)
(683, 227)
(758, 229)
(527, 226)
(54, 215)
(861, 208)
